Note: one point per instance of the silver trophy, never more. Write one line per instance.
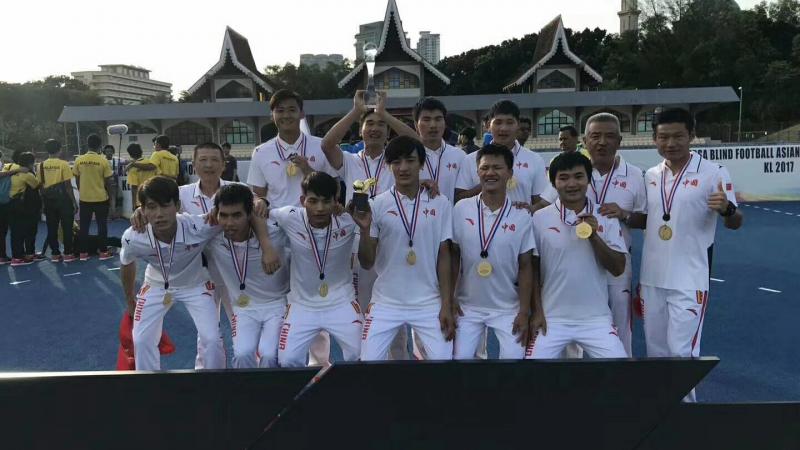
(370, 97)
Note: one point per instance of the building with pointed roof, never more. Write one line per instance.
(399, 69)
(555, 68)
(235, 77)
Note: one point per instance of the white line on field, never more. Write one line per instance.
(71, 274)
(14, 283)
(113, 268)
(717, 280)
(769, 290)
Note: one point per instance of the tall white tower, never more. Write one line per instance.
(629, 16)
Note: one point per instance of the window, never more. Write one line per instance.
(133, 138)
(189, 133)
(549, 124)
(396, 79)
(645, 122)
(237, 132)
(556, 80)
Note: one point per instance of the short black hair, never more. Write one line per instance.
(428, 104)
(209, 145)
(52, 146)
(108, 146)
(469, 133)
(569, 129)
(226, 145)
(135, 150)
(282, 95)
(496, 150)
(161, 141)
(26, 159)
(566, 161)
(403, 146)
(674, 115)
(232, 194)
(162, 190)
(320, 183)
(525, 120)
(93, 141)
(504, 107)
(173, 149)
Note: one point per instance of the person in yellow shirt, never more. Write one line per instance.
(26, 207)
(162, 160)
(6, 172)
(136, 176)
(94, 177)
(59, 201)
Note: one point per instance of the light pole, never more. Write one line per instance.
(741, 95)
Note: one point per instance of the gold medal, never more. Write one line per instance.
(411, 257)
(291, 170)
(511, 183)
(243, 301)
(484, 268)
(323, 290)
(665, 232)
(583, 230)
(167, 299)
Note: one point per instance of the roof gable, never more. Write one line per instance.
(552, 40)
(236, 51)
(392, 23)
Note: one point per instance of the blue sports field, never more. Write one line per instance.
(58, 317)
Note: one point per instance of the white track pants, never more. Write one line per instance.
(383, 322)
(598, 340)
(471, 333)
(255, 330)
(301, 325)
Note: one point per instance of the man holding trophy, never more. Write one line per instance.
(366, 171)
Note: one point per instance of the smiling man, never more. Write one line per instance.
(577, 249)
(685, 195)
(493, 248)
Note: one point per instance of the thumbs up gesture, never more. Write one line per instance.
(718, 200)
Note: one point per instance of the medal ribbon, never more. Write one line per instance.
(435, 175)
(601, 196)
(281, 150)
(487, 240)
(164, 270)
(241, 269)
(667, 199)
(412, 227)
(320, 260)
(589, 208)
(378, 171)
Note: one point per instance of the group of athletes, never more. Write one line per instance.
(448, 244)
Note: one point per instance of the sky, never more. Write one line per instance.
(180, 40)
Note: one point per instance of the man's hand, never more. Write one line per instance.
(718, 201)
(270, 260)
(138, 221)
(591, 220)
(432, 187)
(538, 323)
(211, 217)
(358, 102)
(362, 218)
(260, 208)
(448, 323)
(380, 106)
(301, 163)
(521, 328)
(613, 211)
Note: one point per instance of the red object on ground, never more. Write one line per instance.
(125, 359)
